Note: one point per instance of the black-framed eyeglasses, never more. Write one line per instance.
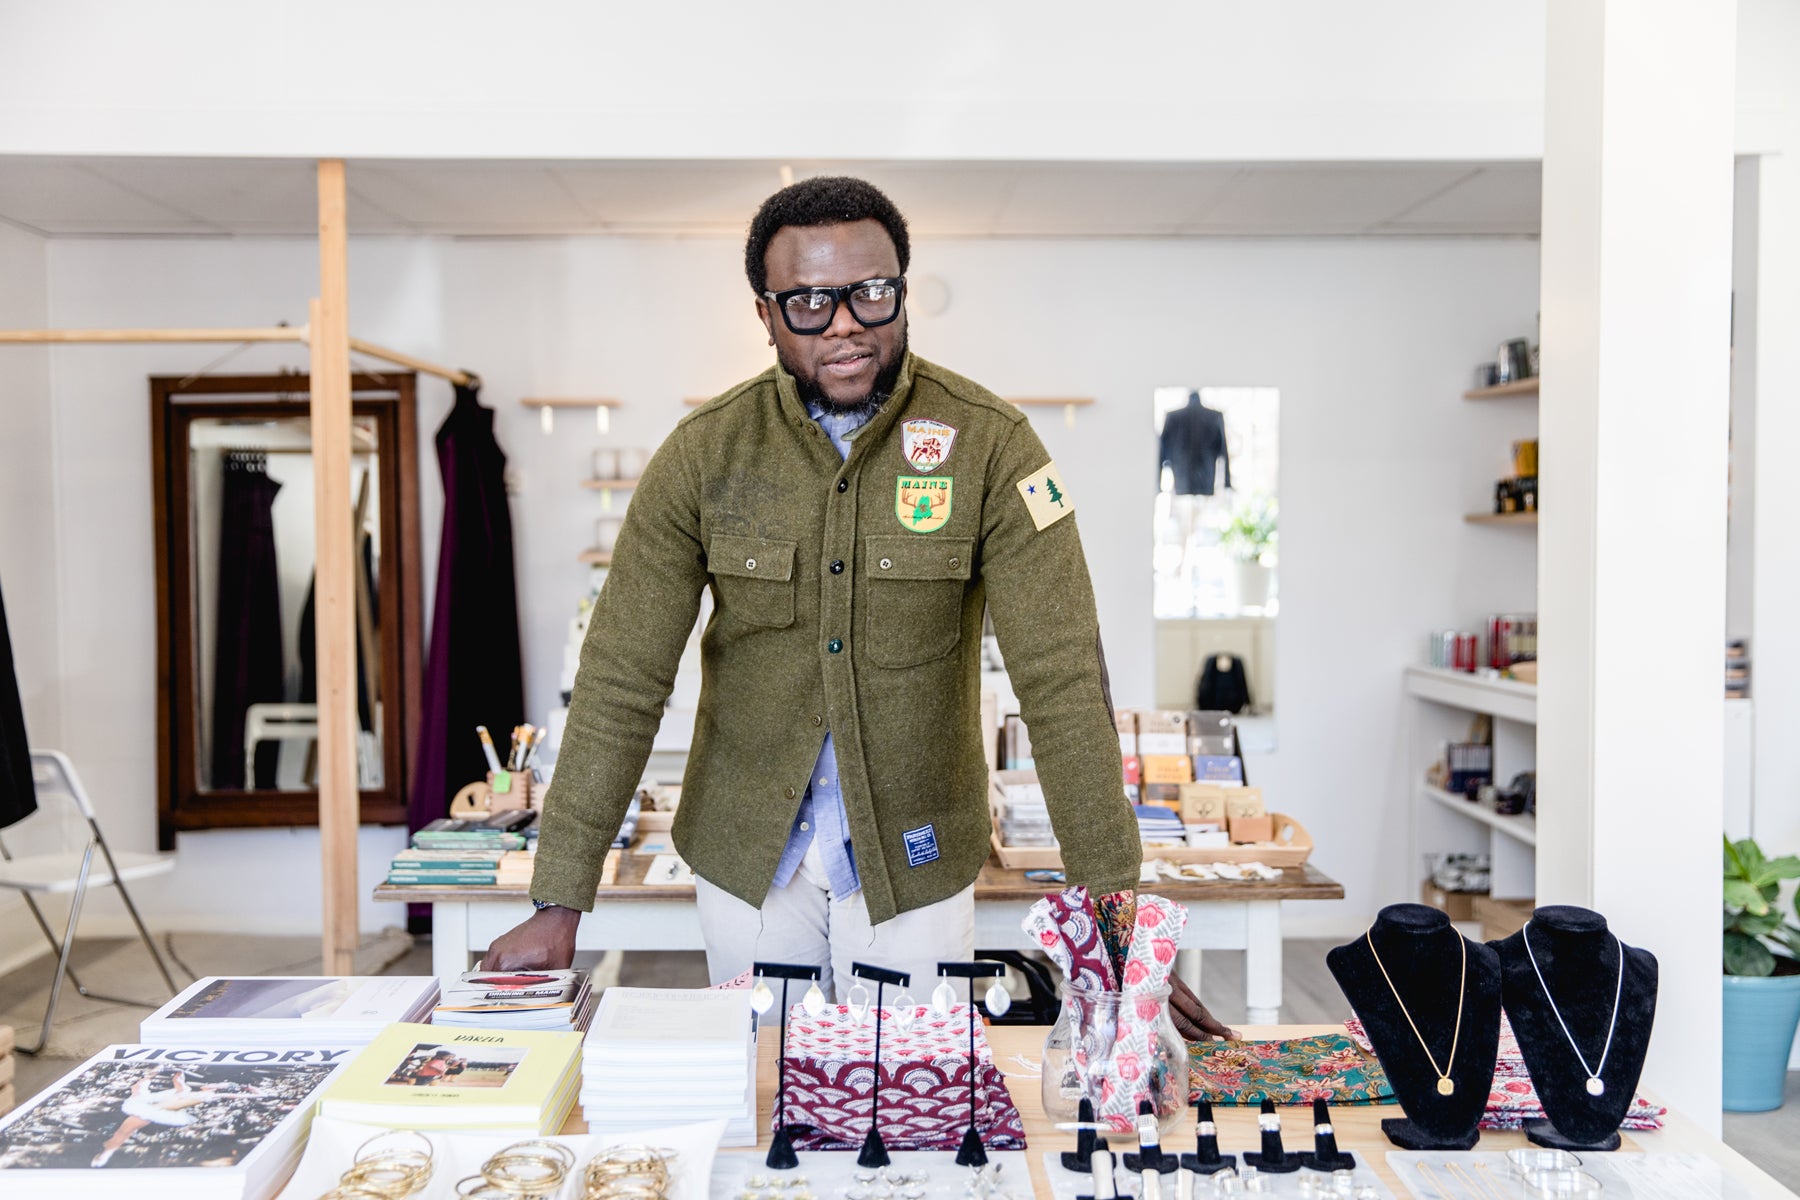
(810, 310)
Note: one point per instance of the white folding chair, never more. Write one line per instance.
(74, 870)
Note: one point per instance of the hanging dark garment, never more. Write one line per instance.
(18, 797)
(1224, 686)
(473, 674)
(307, 646)
(247, 656)
(1193, 448)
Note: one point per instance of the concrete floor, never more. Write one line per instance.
(1770, 1140)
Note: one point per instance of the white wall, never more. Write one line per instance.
(1015, 79)
(1370, 342)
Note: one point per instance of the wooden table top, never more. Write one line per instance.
(995, 883)
(1358, 1126)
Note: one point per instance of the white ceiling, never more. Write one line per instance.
(237, 197)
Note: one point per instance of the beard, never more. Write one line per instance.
(866, 405)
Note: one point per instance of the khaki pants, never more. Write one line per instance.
(804, 924)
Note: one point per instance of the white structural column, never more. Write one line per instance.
(1639, 101)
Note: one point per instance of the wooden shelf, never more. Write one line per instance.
(597, 558)
(1521, 387)
(1521, 828)
(1507, 698)
(569, 402)
(609, 485)
(1518, 518)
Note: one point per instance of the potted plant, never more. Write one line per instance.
(1250, 537)
(1762, 977)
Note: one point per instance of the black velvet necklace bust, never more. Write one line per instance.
(1421, 953)
(1579, 958)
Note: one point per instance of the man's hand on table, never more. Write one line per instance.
(544, 941)
(1192, 1021)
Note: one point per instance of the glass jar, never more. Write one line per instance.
(1079, 1053)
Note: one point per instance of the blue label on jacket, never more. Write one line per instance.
(921, 846)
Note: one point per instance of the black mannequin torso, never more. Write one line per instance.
(1580, 961)
(1423, 956)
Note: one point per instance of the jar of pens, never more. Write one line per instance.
(514, 783)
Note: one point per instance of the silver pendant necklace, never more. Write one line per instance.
(1595, 1085)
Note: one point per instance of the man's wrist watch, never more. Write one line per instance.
(541, 905)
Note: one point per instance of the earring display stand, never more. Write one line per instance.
(781, 1146)
(874, 1150)
(1429, 1000)
(971, 1153)
(1582, 1005)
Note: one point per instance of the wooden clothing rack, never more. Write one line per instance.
(327, 335)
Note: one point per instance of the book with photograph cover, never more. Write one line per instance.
(148, 1121)
(431, 1077)
(561, 1000)
(288, 1010)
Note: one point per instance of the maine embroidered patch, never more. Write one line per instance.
(1046, 497)
(922, 502)
(921, 846)
(926, 444)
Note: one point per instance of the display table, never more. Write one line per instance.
(633, 915)
(1358, 1127)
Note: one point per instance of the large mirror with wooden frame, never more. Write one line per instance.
(237, 710)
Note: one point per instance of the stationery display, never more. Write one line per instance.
(562, 1001)
(155, 1121)
(291, 1010)
(1582, 1004)
(427, 1077)
(1429, 1002)
(924, 1056)
(659, 1056)
(1329, 1067)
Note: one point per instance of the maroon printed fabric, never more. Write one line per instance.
(924, 1080)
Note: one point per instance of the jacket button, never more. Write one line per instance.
(790, 793)
(843, 485)
(886, 563)
(749, 564)
(818, 720)
(837, 566)
(955, 562)
(835, 645)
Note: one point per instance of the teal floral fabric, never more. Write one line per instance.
(1331, 1067)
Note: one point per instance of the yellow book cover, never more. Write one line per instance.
(442, 1077)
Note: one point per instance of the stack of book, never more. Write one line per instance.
(668, 1056)
(283, 1011)
(561, 1001)
(432, 1078)
(147, 1122)
(482, 852)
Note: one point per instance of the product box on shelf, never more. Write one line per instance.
(1168, 768)
(1126, 720)
(1015, 746)
(1244, 802)
(1203, 803)
(1211, 733)
(1162, 732)
(1252, 827)
(1227, 769)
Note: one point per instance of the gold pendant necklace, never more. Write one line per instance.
(1445, 1085)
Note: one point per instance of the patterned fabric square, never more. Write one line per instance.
(1294, 1071)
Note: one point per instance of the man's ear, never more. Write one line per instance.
(766, 317)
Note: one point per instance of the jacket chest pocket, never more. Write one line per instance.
(916, 588)
(755, 578)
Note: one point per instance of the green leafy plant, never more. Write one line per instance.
(1759, 939)
(1251, 532)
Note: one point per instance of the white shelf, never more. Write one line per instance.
(1505, 698)
(1520, 828)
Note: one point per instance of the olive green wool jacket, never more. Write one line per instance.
(843, 600)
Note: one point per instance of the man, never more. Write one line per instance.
(854, 510)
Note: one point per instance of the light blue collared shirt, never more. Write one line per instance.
(821, 812)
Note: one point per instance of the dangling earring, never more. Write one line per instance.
(905, 1011)
(761, 997)
(814, 1000)
(943, 999)
(998, 1000)
(857, 1000)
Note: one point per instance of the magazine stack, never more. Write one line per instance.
(284, 1011)
(154, 1121)
(435, 1078)
(560, 1001)
(665, 1056)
